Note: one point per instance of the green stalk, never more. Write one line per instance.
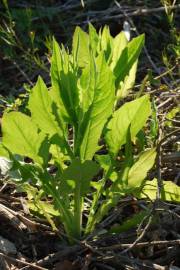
(78, 204)
(66, 217)
(91, 221)
(114, 194)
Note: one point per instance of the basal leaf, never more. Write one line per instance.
(39, 206)
(170, 191)
(132, 222)
(25, 172)
(80, 173)
(139, 170)
(133, 114)
(20, 136)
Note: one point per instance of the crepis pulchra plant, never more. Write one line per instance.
(76, 126)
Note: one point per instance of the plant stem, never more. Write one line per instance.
(112, 197)
(78, 202)
(91, 221)
(65, 213)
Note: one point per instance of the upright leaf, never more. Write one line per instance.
(106, 43)
(41, 107)
(126, 85)
(133, 114)
(97, 105)
(93, 39)
(64, 83)
(119, 43)
(128, 57)
(80, 47)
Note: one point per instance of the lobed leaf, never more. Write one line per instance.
(80, 173)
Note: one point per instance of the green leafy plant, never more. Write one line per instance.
(71, 124)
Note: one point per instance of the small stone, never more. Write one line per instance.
(7, 247)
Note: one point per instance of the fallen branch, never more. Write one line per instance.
(143, 244)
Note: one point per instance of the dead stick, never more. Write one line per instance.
(22, 262)
(140, 11)
(143, 244)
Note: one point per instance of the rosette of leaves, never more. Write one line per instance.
(71, 122)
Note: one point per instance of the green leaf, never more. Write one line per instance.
(128, 57)
(41, 107)
(39, 207)
(77, 177)
(80, 173)
(128, 162)
(104, 160)
(80, 47)
(154, 122)
(106, 42)
(96, 106)
(35, 195)
(170, 115)
(43, 205)
(119, 43)
(132, 222)
(170, 191)
(3, 151)
(20, 136)
(128, 82)
(58, 157)
(93, 39)
(139, 170)
(133, 114)
(25, 172)
(64, 83)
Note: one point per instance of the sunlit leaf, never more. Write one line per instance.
(169, 192)
(97, 104)
(133, 114)
(41, 107)
(21, 136)
(139, 170)
(128, 57)
(80, 47)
